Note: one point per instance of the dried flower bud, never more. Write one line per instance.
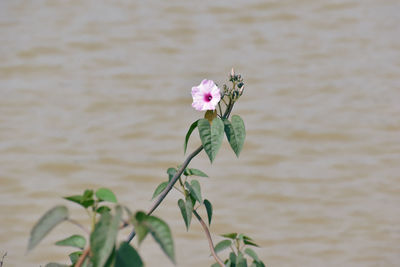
(241, 88)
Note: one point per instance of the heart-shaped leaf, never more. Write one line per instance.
(222, 245)
(161, 234)
(236, 133)
(74, 256)
(105, 194)
(252, 254)
(140, 228)
(186, 208)
(127, 256)
(211, 136)
(195, 190)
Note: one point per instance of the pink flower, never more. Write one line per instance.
(205, 96)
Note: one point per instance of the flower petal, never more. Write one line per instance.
(205, 96)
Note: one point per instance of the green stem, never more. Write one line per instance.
(93, 220)
(179, 173)
(208, 235)
(169, 186)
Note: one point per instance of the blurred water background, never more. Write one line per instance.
(97, 94)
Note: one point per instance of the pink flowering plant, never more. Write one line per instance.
(97, 246)
(206, 96)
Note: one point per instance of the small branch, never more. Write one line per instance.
(178, 189)
(210, 242)
(79, 225)
(229, 108)
(220, 110)
(82, 258)
(179, 173)
(169, 186)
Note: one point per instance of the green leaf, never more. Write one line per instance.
(140, 228)
(257, 264)
(76, 198)
(228, 263)
(85, 200)
(105, 194)
(186, 208)
(87, 194)
(194, 189)
(245, 237)
(252, 254)
(162, 235)
(236, 133)
(232, 258)
(195, 172)
(159, 189)
(54, 264)
(240, 237)
(222, 245)
(74, 256)
(230, 235)
(171, 173)
(250, 243)
(46, 223)
(241, 260)
(77, 241)
(103, 237)
(111, 259)
(189, 132)
(127, 256)
(211, 136)
(103, 209)
(209, 210)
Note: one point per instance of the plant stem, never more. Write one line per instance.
(82, 258)
(169, 186)
(229, 108)
(179, 173)
(208, 235)
(93, 220)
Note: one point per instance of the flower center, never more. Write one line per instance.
(208, 97)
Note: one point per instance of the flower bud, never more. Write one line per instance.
(241, 88)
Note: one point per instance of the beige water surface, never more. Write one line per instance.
(97, 94)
